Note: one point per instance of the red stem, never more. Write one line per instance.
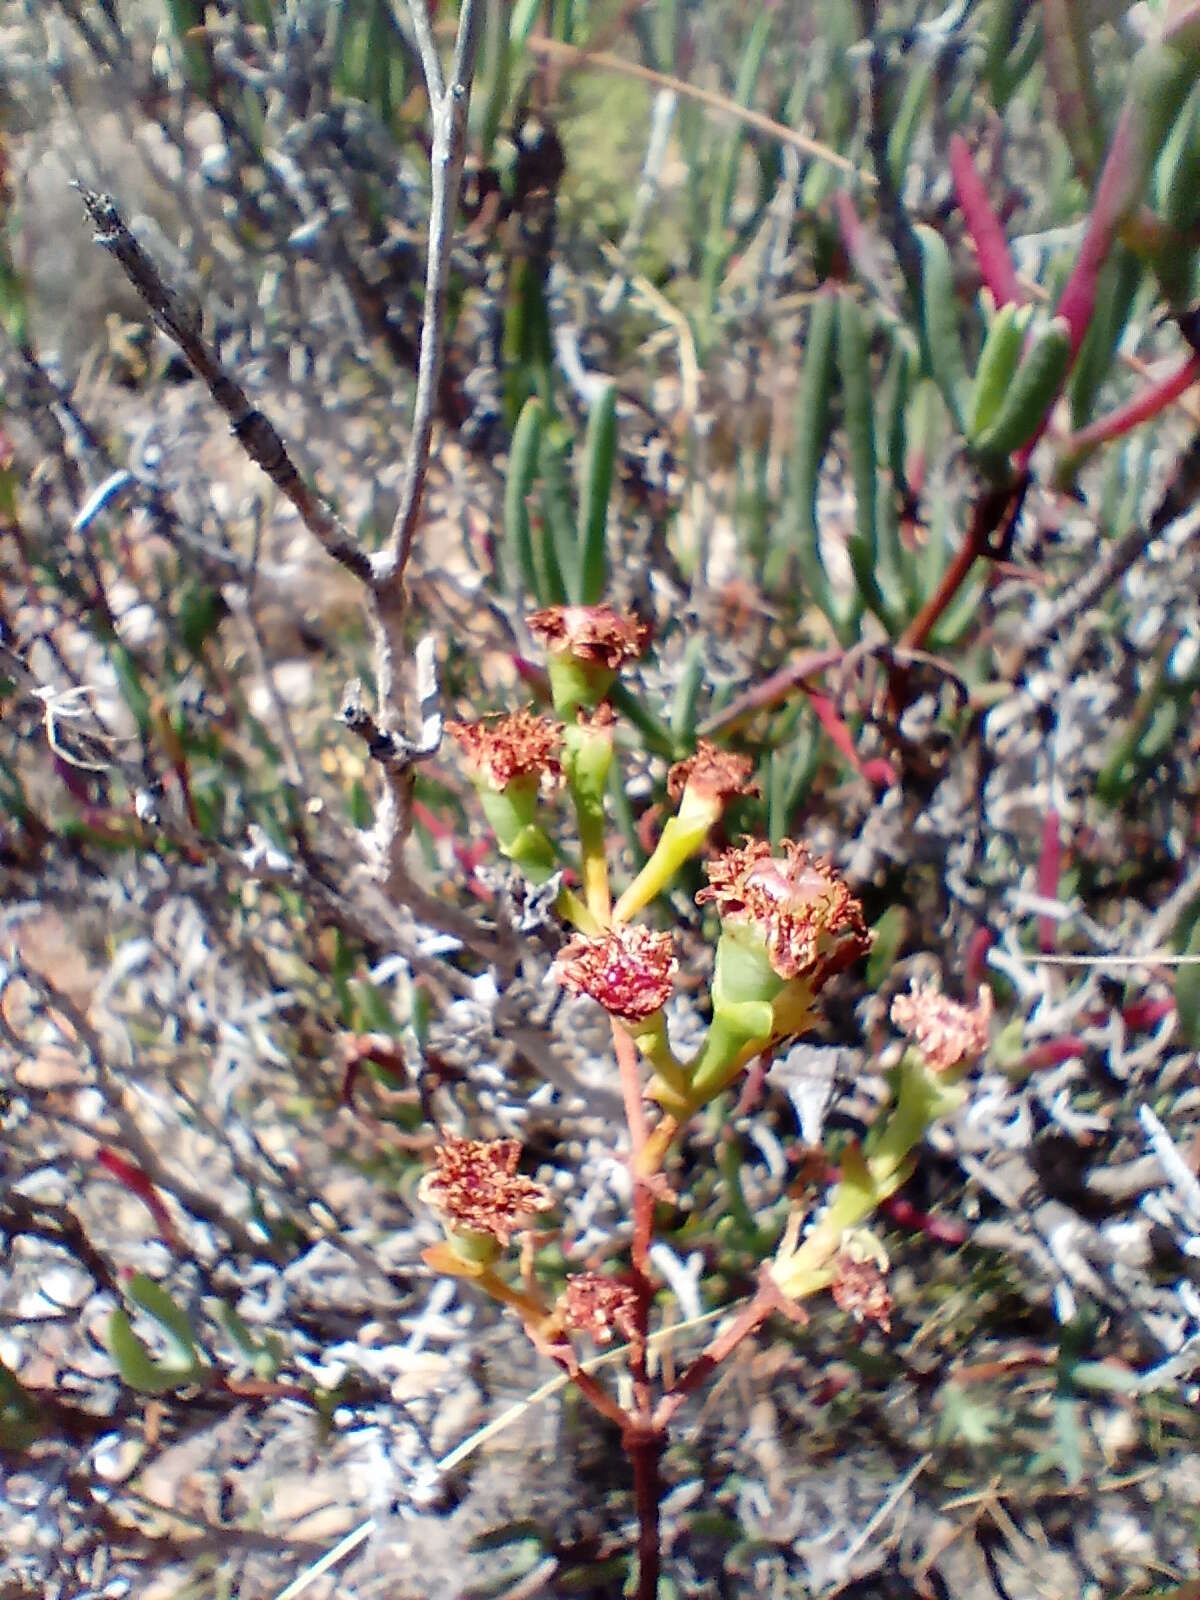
(1112, 203)
(643, 1438)
(984, 226)
(644, 1449)
(749, 1319)
(1155, 397)
(131, 1177)
(879, 773)
(1048, 875)
(772, 689)
(991, 510)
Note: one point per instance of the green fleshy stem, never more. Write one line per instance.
(922, 1097)
(510, 812)
(871, 1174)
(476, 1248)
(670, 1086)
(576, 685)
(683, 836)
(587, 757)
(752, 1007)
(737, 1031)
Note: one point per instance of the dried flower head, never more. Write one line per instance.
(474, 1186)
(516, 745)
(718, 774)
(802, 908)
(947, 1034)
(598, 1306)
(598, 635)
(859, 1287)
(628, 970)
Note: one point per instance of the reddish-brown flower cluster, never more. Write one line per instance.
(598, 635)
(947, 1034)
(719, 774)
(802, 908)
(516, 745)
(475, 1186)
(860, 1288)
(598, 1306)
(628, 970)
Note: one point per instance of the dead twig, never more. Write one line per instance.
(255, 433)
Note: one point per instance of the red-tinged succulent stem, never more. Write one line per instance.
(131, 1177)
(1048, 875)
(766, 1299)
(1145, 1013)
(853, 233)
(906, 1215)
(1160, 77)
(631, 1088)
(1155, 397)
(983, 225)
(1114, 197)
(975, 966)
(1053, 1052)
(992, 509)
(644, 1448)
(874, 772)
(772, 689)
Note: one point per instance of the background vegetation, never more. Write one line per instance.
(726, 339)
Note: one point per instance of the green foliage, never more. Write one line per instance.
(600, 450)
(21, 1421)
(181, 1366)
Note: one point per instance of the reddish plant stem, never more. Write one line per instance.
(642, 1438)
(1153, 399)
(983, 225)
(644, 1447)
(136, 1180)
(994, 507)
(749, 1319)
(1048, 876)
(590, 1388)
(771, 690)
(877, 774)
(980, 942)
(631, 1090)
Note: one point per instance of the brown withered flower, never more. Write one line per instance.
(517, 744)
(713, 772)
(859, 1287)
(599, 1306)
(807, 917)
(947, 1034)
(474, 1187)
(628, 970)
(598, 635)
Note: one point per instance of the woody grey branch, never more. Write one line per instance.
(449, 104)
(255, 433)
